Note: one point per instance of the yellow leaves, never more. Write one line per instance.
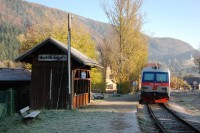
(58, 30)
(178, 83)
(80, 40)
(84, 44)
(96, 76)
(128, 41)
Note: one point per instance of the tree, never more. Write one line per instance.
(105, 51)
(197, 62)
(129, 46)
(80, 40)
(8, 41)
(40, 31)
(178, 83)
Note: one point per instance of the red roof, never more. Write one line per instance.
(152, 64)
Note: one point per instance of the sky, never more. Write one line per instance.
(179, 19)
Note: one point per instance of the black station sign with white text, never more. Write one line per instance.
(52, 57)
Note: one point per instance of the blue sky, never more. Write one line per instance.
(178, 19)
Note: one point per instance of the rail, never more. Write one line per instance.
(158, 124)
(166, 119)
(180, 119)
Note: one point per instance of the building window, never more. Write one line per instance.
(110, 86)
(110, 76)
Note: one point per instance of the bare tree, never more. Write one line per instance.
(127, 40)
(197, 62)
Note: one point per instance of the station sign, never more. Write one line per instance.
(83, 75)
(52, 57)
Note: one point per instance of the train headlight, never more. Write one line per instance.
(164, 88)
(144, 88)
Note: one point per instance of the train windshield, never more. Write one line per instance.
(160, 77)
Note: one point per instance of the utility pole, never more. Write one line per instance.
(69, 63)
(120, 47)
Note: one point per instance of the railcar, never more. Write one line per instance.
(155, 85)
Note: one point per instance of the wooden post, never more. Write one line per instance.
(69, 61)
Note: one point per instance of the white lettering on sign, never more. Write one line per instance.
(157, 84)
(52, 57)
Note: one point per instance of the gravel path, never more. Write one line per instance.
(124, 109)
(187, 104)
(196, 103)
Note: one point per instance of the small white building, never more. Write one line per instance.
(111, 86)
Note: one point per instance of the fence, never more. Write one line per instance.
(7, 102)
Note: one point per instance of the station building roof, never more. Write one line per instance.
(80, 57)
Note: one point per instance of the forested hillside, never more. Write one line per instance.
(166, 49)
(16, 16)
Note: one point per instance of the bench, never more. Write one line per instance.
(26, 114)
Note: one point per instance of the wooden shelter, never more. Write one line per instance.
(49, 80)
(17, 82)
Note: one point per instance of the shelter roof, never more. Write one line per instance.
(74, 53)
(190, 80)
(14, 74)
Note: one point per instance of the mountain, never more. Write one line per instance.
(165, 49)
(17, 15)
(177, 55)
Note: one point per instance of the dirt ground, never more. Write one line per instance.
(125, 108)
(190, 98)
(196, 102)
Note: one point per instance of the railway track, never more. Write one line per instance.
(168, 122)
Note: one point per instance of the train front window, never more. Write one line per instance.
(161, 77)
(148, 77)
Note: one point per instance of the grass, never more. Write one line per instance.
(60, 121)
(1, 109)
(184, 99)
(103, 118)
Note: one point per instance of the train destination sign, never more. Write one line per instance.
(52, 57)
